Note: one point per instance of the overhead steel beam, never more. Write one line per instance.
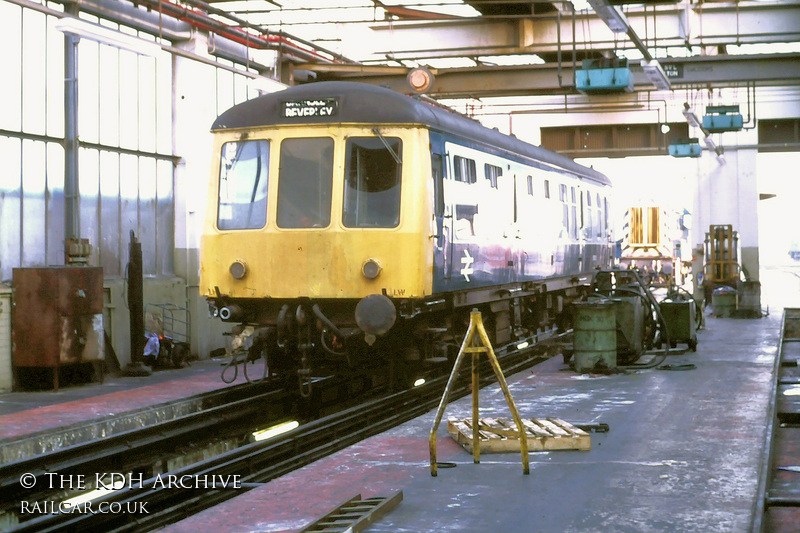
(678, 25)
(484, 81)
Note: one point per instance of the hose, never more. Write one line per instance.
(259, 380)
(664, 331)
(652, 305)
(232, 363)
(327, 348)
(282, 326)
(322, 318)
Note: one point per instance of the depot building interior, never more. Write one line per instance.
(690, 108)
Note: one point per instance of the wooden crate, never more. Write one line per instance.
(499, 435)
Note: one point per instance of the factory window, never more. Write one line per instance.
(305, 181)
(464, 169)
(372, 182)
(492, 172)
(243, 178)
(547, 188)
(530, 185)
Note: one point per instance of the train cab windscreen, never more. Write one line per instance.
(305, 182)
(243, 178)
(373, 167)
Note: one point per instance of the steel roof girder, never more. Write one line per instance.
(718, 71)
(681, 25)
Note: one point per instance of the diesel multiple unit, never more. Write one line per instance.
(355, 227)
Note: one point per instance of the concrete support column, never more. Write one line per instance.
(727, 193)
(194, 110)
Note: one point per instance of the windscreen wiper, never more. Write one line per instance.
(388, 147)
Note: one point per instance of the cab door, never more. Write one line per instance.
(440, 225)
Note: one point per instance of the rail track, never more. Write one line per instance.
(129, 450)
(778, 495)
(252, 463)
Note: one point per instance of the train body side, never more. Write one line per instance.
(513, 219)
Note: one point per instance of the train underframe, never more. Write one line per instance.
(303, 338)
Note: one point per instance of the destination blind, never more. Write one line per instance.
(320, 107)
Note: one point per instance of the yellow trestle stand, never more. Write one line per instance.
(477, 342)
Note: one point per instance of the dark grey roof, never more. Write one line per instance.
(363, 103)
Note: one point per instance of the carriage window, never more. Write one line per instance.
(372, 182)
(547, 188)
(574, 219)
(589, 223)
(599, 221)
(562, 195)
(466, 218)
(530, 185)
(464, 169)
(492, 172)
(243, 173)
(305, 182)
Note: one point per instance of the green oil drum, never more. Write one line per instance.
(724, 302)
(594, 336)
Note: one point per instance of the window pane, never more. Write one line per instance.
(464, 169)
(305, 183)
(372, 183)
(492, 172)
(243, 178)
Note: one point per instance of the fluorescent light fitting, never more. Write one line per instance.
(93, 495)
(103, 35)
(612, 16)
(691, 118)
(419, 382)
(275, 430)
(710, 144)
(656, 74)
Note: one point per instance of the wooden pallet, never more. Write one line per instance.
(498, 435)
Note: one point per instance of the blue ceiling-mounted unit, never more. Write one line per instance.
(604, 76)
(721, 118)
(685, 148)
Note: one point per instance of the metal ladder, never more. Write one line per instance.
(355, 514)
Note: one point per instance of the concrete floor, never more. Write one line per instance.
(682, 454)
